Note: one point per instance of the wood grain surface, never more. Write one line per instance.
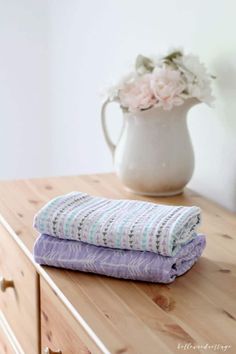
(5, 345)
(19, 303)
(60, 331)
(192, 315)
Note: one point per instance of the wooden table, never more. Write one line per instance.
(198, 309)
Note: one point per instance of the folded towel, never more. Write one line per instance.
(120, 224)
(126, 264)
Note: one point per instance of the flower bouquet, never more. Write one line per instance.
(164, 82)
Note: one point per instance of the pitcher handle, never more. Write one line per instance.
(109, 142)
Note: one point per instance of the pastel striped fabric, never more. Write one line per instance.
(119, 224)
(135, 265)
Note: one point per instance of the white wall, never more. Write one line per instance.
(94, 42)
(51, 101)
(24, 82)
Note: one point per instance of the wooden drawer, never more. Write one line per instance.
(60, 331)
(5, 345)
(19, 303)
(8, 342)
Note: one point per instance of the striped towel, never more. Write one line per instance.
(126, 264)
(119, 224)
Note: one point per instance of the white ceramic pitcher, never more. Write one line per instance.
(154, 155)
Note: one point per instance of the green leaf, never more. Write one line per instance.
(170, 57)
(144, 64)
(124, 109)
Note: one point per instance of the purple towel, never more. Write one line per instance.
(126, 264)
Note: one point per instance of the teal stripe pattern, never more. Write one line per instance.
(119, 224)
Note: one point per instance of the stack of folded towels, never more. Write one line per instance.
(119, 238)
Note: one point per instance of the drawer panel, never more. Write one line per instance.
(5, 345)
(8, 342)
(59, 329)
(19, 303)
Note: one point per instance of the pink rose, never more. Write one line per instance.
(137, 95)
(167, 86)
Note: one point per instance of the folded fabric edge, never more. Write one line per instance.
(175, 266)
